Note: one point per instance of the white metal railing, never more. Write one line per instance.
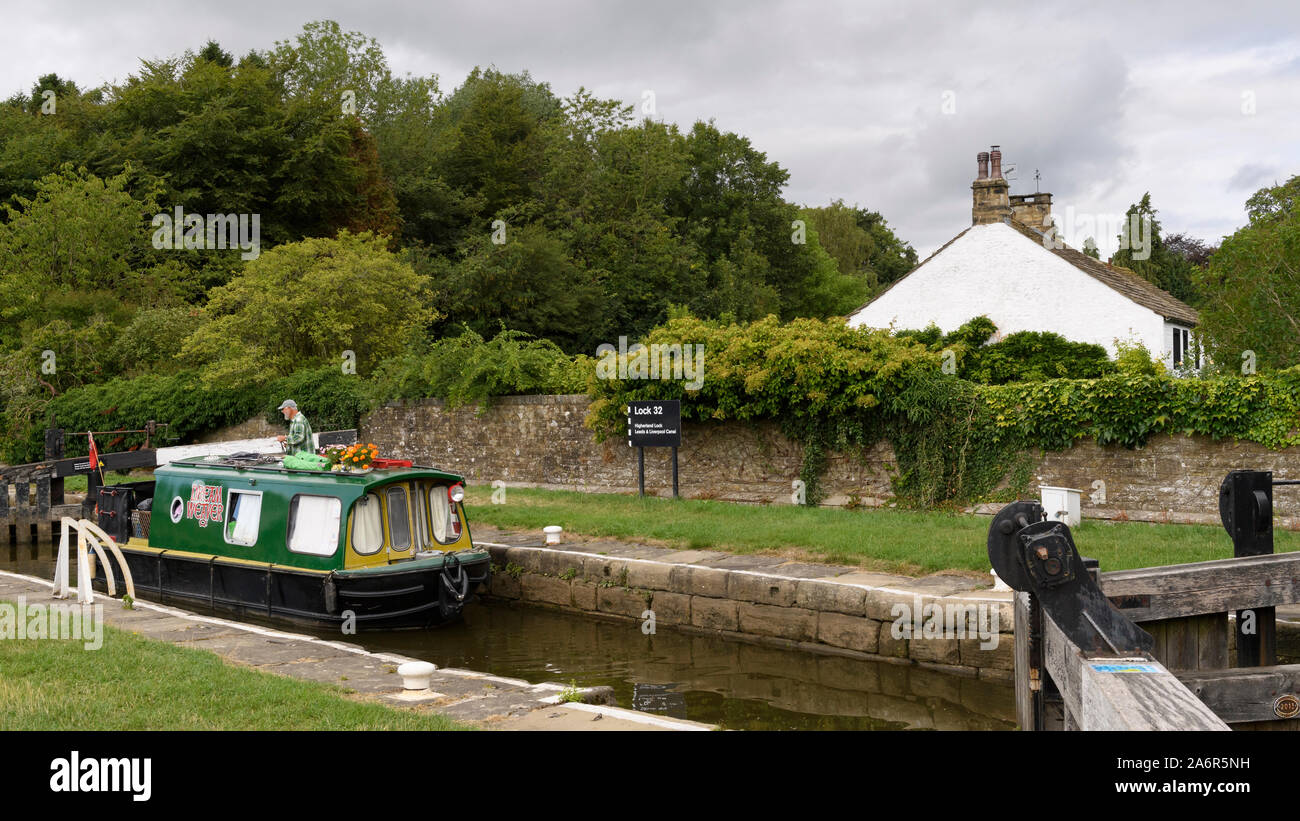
(88, 534)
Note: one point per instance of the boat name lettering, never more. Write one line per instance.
(205, 503)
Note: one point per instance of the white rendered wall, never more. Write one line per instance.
(998, 272)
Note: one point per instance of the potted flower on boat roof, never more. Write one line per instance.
(352, 458)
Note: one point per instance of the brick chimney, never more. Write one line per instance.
(991, 193)
(1033, 210)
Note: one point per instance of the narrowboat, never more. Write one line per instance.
(388, 547)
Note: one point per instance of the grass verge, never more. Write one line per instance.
(888, 540)
(134, 683)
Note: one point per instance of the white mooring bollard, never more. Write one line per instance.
(416, 674)
(553, 533)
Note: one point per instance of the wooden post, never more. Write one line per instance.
(640, 471)
(42, 507)
(4, 512)
(43, 490)
(22, 513)
(53, 451)
(1027, 676)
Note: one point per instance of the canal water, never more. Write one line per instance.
(736, 685)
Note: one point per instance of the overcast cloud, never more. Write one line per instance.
(1196, 102)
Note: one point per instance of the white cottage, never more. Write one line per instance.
(1007, 267)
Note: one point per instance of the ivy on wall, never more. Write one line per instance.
(834, 388)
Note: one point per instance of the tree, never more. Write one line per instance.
(848, 243)
(1190, 248)
(213, 53)
(72, 250)
(308, 303)
(1274, 203)
(528, 283)
(1146, 254)
(862, 244)
(229, 141)
(1253, 276)
(892, 258)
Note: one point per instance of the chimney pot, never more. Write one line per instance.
(995, 156)
(983, 159)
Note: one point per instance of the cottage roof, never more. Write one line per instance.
(1127, 283)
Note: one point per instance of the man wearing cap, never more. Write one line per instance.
(299, 438)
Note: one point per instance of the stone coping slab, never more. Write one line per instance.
(946, 586)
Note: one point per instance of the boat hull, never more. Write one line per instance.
(418, 593)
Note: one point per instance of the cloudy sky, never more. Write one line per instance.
(883, 104)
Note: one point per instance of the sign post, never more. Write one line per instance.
(650, 424)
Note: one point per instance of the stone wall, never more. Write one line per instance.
(1172, 479)
(540, 441)
(255, 428)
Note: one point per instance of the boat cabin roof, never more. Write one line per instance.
(271, 466)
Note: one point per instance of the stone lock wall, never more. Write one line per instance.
(540, 441)
(850, 614)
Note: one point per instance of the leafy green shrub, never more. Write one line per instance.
(190, 408)
(153, 338)
(1032, 356)
(467, 369)
(1134, 359)
(331, 399)
(931, 337)
(1024, 356)
(972, 334)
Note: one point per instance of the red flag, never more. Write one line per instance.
(94, 453)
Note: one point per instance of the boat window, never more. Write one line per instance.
(314, 524)
(367, 529)
(243, 514)
(399, 523)
(440, 507)
(421, 517)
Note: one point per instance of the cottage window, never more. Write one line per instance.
(243, 514)
(314, 524)
(1182, 348)
(367, 527)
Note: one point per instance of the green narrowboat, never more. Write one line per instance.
(389, 547)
